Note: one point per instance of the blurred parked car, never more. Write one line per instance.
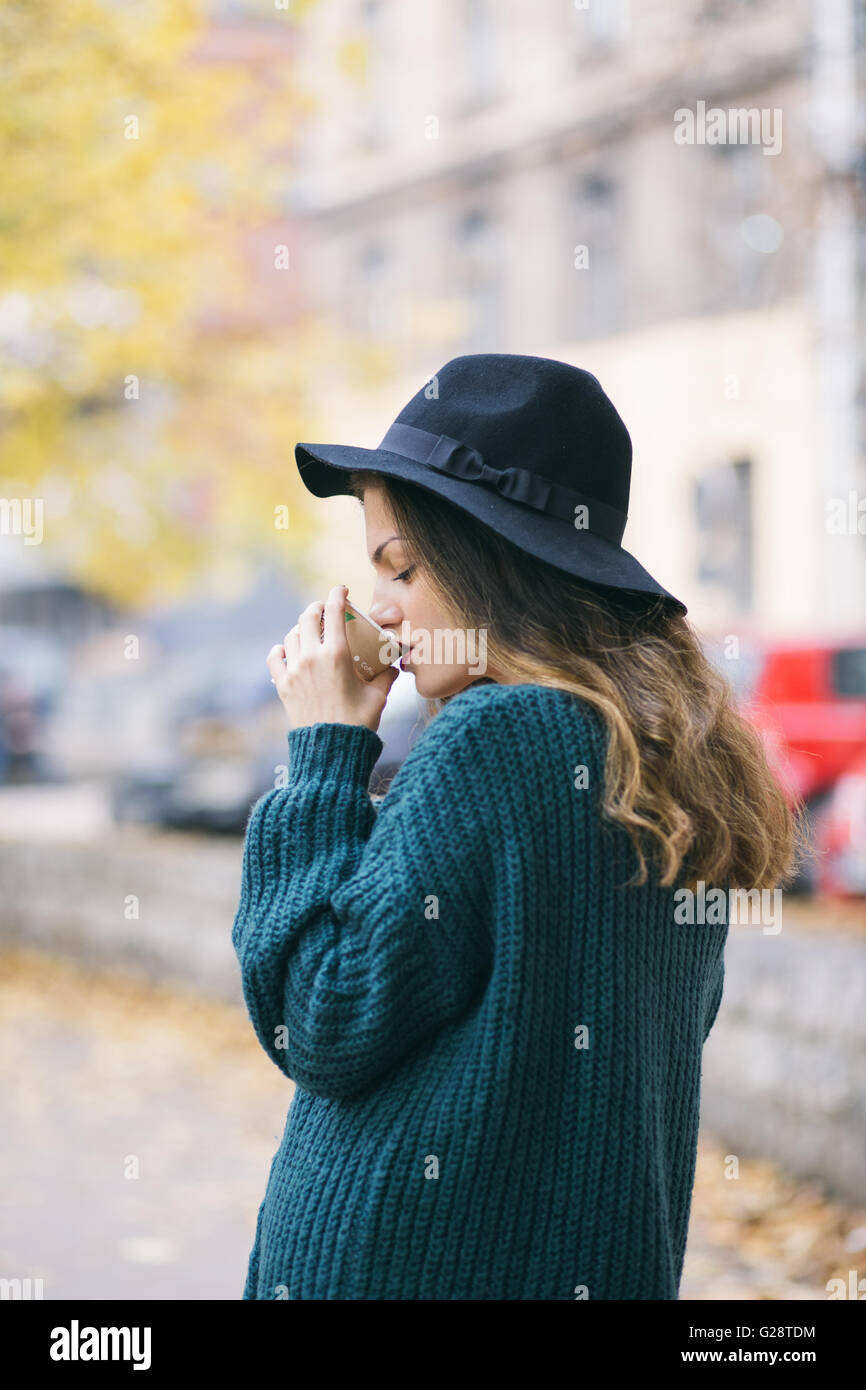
(840, 829)
(185, 728)
(232, 745)
(31, 673)
(808, 700)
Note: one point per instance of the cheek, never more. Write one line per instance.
(424, 614)
(424, 609)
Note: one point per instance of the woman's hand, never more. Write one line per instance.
(315, 675)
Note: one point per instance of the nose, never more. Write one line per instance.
(385, 611)
(386, 617)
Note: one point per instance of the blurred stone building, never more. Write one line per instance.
(668, 194)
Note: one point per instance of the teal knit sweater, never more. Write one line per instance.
(496, 1045)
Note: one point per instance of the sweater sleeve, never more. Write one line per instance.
(361, 933)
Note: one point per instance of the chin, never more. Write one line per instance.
(435, 684)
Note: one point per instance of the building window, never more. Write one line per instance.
(480, 78)
(723, 510)
(744, 244)
(592, 257)
(601, 25)
(479, 277)
(720, 11)
(370, 311)
(376, 110)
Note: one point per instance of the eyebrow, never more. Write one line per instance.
(377, 553)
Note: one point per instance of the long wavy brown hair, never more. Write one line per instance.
(686, 774)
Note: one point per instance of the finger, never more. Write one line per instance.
(290, 642)
(335, 639)
(310, 625)
(384, 680)
(276, 662)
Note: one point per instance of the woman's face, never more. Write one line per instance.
(445, 657)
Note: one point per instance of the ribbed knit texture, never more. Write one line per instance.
(420, 971)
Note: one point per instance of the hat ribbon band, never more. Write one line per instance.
(459, 460)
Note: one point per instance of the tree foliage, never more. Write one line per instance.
(139, 398)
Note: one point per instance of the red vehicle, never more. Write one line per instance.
(808, 699)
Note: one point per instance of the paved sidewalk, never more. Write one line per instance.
(100, 1072)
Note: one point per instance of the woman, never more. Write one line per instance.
(489, 992)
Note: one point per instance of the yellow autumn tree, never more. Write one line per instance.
(138, 398)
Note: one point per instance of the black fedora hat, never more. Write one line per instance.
(531, 447)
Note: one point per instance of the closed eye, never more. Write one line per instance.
(405, 576)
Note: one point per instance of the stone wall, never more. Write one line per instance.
(77, 898)
(784, 1068)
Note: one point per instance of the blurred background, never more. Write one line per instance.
(227, 227)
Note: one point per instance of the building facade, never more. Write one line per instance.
(669, 195)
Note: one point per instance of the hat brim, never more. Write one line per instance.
(325, 469)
